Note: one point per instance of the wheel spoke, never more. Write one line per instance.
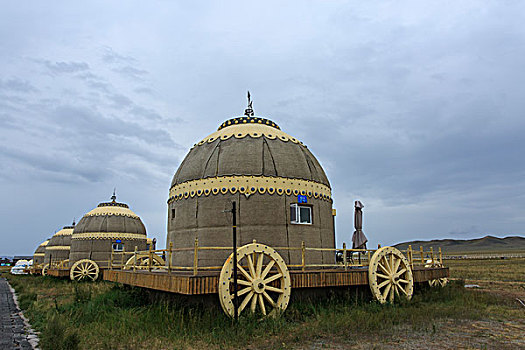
(273, 278)
(396, 288)
(385, 292)
(396, 265)
(244, 291)
(383, 268)
(273, 289)
(253, 306)
(386, 264)
(392, 293)
(259, 265)
(250, 265)
(270, 300)
(382, 284)
(403, 290)
(245, 273)
(261, 304)
(245, 301)
(402, 281)
(400, 272)
(392, 263)
(267, 269)
(382, 276)
(243, 282)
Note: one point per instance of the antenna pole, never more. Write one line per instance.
(236, 299)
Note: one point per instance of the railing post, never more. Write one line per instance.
(303, 251)
(432, 255)
(195, 257)
(422, 255)
(440, 257)
(135, 259)
(169, 257)
(379, 246)
(123, 257)
(150, 260)
(344, 256)
(410, 259)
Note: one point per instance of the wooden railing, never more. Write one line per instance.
(343, 258)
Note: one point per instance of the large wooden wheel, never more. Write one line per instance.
(84, 269)
(442, 281)
(263, 281)
(44, 269)
(141, 261)
(390, 275)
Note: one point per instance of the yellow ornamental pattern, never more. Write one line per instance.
(112, 210)
(58, 247)
(253, 130)
(249, 185)
(107, 235)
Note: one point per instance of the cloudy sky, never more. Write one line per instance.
(415, 108)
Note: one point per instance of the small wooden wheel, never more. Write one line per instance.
(262, 278)
(63, 264)
(442, 281)
(142, 261)
(84, 269)
(390, 275)
(44, 269)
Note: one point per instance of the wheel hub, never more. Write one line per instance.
(258, 285)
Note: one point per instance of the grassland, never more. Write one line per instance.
(103, 315)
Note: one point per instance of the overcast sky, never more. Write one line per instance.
(415, 108)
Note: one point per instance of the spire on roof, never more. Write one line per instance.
(114, 196)
(249, 110)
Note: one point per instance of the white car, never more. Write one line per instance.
(21, 267)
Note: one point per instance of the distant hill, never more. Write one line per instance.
(485, 244)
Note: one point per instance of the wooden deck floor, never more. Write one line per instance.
(58, 272)
(207, 283)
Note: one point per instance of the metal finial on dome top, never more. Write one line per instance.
(249, 110)
(74, 223)
(114, 196)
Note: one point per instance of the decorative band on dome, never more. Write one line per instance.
(113, 204)
(108, 235)
(67, 227)
(249, 185)
(248, 120)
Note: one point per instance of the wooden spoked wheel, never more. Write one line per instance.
(84, 270)
(442, 281)
(390, 275)
(263, 281)
(44, 269)
(63, 264)
(142, 261)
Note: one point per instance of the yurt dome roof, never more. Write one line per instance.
(110, 217)
(250, 146)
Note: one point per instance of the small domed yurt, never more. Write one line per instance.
(111, 226)
(282, 194)
(40, 252)
(57, 250)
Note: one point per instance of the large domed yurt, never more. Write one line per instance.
(57, 250)
(40, 252)
(111, 226)
(282, 194)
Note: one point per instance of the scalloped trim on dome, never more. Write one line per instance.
(248, 120)
(39, 254)
(112, 210)
(249, 185)
(65, 231)
(113, 204)
(240, 131)
(107, 235)
(58, 247)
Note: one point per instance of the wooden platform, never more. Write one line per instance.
(188, 284)
(58, 272)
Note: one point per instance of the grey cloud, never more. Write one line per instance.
(131, 72)
(65, 67)
(16, 85)
(110, 56)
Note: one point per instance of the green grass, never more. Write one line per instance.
(102, 315)
(506, 270)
